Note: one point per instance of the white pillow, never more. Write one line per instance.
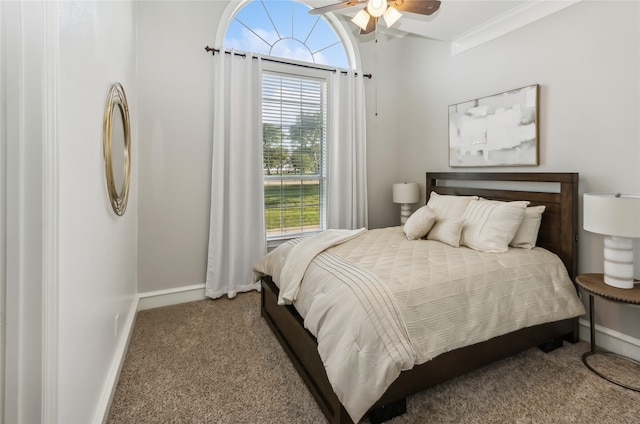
(447, 231)
(447, 206)
(527, 233)
(490, 225)
(419, 223)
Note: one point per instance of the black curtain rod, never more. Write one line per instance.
(268, 59)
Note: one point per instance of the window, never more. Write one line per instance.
(294, 108)
(294, 132)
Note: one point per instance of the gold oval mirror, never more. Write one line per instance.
(116, 141)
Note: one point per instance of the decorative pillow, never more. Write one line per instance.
(447, 231)
(446, 206)
(527, 233)
(419, 223)
(490, 225)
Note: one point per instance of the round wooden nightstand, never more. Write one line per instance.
(594, 285)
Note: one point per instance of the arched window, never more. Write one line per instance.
(294, 107)
(285, 29)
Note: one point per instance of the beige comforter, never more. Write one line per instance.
(379, 303)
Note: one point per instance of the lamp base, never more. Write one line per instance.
(405, 212)
(618, 262)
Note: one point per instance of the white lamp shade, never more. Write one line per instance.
(612, 214)
(406, 193)
(361, 19)
(377, 7)
(391, 16)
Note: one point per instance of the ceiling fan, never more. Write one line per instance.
(367, 18)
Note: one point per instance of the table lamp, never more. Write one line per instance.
(618, 217)
(405, 194)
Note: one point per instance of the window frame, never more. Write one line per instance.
(345, 34)
(350, 45)
(345, 38)
(320, 74)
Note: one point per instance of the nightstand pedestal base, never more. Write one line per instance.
(595, 286)
(601, 375)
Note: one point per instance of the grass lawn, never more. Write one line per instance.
(292, 205)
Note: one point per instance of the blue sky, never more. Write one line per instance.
(285, 29)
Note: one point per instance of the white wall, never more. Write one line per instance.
(73, 262)
(586, 60)
(175, 76)
(385, 142)
(97, 249)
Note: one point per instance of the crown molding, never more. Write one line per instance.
(512, 20)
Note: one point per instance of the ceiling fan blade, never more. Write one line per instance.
(332, 7)
(371, 26)
(421, 7)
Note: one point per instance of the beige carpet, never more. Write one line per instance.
(216, 361)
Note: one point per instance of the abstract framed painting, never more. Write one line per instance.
(498, 130)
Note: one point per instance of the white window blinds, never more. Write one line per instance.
(294, 135)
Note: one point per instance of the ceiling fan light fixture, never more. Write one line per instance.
(391, 16)
(361, 19)
(376, 8)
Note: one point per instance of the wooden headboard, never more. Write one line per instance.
(559, 228)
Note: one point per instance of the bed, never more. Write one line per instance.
(558, 192)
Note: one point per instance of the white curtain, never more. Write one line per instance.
(237, 238)
(346, 153)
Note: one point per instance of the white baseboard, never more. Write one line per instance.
(159, 298)
(612, 340)
(102, 412)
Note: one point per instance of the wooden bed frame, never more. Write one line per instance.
(558, 233)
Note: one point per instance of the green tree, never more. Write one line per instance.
(273, 154)
(306, 134)
(301, 161)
